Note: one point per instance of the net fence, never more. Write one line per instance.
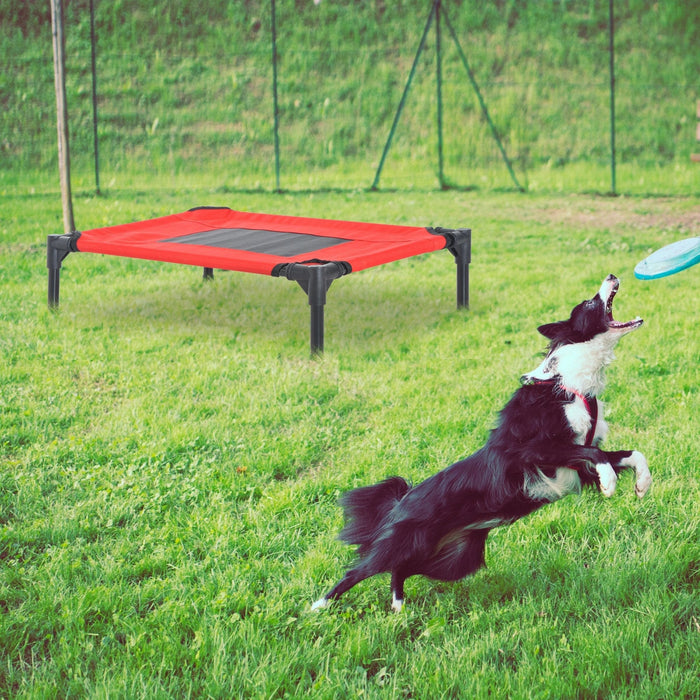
(181, 96)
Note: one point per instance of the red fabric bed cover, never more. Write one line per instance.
(362, 245)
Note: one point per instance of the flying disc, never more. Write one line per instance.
(670, 259)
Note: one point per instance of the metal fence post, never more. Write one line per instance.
(275, 107)
(611, 36)
(93, 45)
(438, 52)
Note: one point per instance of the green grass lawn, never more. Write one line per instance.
(171, 460)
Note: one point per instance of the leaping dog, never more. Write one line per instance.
(546, 445)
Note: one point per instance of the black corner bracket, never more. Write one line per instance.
(315, 278)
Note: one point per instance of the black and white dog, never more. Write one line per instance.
(545, 446)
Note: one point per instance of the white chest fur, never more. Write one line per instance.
(601, 428)
(580, 421)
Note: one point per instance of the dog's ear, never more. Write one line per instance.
(552, 330)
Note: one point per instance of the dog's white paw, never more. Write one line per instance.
(396, 604)
(643, 484)
(607, 478)
(320, 604)
(641, 467)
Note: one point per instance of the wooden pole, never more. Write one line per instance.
(59, 64)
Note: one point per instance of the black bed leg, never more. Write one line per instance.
(53, 263)
(54, 285)
(57, 248)
(317, 288)
(462, 251)
(462, 285)
(317, 329)
(315, 278)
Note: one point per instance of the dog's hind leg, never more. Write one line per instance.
(459, 554)
(351, 578)
(397, 580)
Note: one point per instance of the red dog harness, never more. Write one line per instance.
(591, 405)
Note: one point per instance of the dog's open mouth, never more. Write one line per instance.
(612, 323)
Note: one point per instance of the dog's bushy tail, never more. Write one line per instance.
(367, 507)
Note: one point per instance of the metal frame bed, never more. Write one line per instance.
(312, 252)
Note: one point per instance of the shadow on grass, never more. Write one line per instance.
(370, 311)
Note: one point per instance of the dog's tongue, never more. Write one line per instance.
(634, 323)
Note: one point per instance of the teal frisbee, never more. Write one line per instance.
(670, 259)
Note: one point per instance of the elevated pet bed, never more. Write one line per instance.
(312, 252)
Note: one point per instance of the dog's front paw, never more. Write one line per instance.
(641, 467)
(643, 484)
(606, 478)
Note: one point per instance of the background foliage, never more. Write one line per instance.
(181, 90)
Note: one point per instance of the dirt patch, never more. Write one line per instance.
(617, 213)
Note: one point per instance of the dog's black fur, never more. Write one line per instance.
(544, 447)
